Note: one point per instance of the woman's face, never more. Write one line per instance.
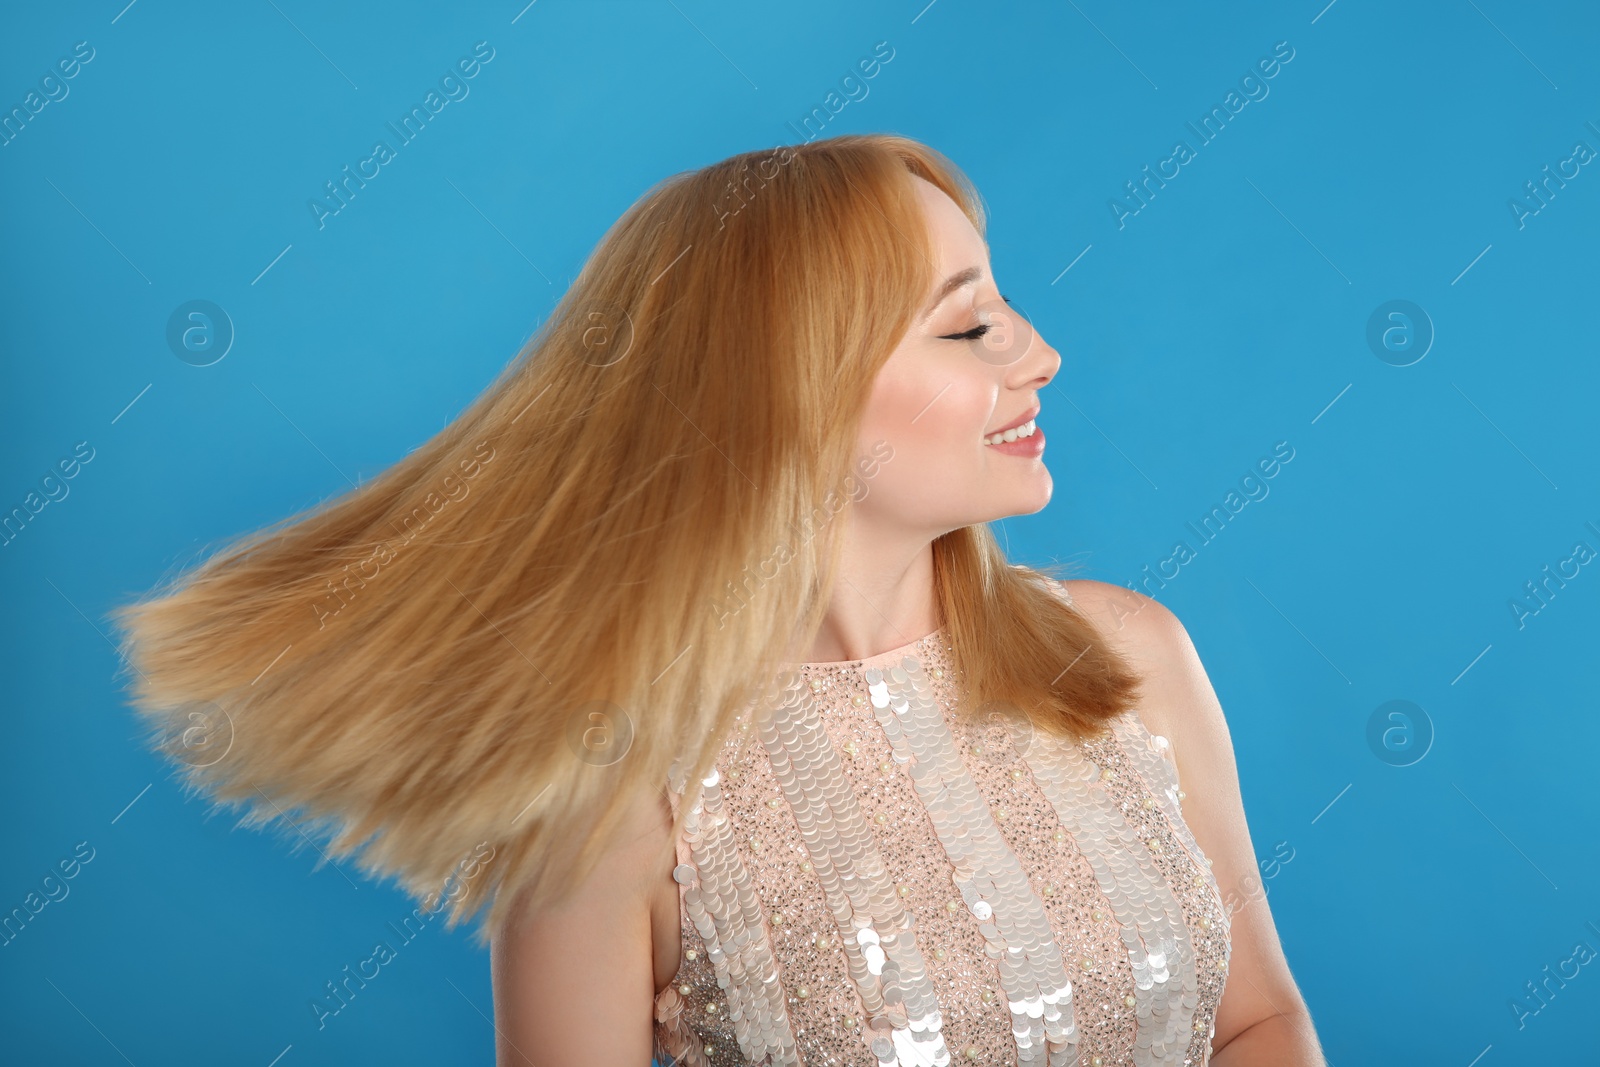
(940, 397)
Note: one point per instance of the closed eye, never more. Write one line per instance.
(975, 333)
(968, 335)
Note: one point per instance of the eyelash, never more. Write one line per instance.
(976, 332)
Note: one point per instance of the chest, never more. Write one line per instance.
(869, 878)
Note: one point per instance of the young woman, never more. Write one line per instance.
(686, 651)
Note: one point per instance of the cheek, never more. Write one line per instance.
(930, 418)
(935, 429)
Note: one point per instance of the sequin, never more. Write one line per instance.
(924, 892)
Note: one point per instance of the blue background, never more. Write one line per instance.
(1229, 314)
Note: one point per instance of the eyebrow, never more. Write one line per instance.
(951, 284)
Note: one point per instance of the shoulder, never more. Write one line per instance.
(1176, 696)
(1137, 625)
(1118, 601)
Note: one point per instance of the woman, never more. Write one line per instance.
(690, 636)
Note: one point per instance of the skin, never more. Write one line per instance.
(576, 986)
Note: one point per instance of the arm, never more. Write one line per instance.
(1262, 1018)
(574, 986)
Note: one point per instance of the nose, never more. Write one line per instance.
(1038, 363)
(1013, 346)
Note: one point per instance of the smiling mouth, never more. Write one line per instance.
(1016, 433)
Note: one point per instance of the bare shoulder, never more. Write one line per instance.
(1151, 638)
(1121, 604)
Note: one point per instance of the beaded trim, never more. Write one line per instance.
(988, 875)
(1150, 921)
(729, 920)
(878, 934)
(1152, 759)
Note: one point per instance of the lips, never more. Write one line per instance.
(1013, 424)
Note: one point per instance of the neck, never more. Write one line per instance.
(883, 597)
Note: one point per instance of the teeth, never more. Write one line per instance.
(1025, 430)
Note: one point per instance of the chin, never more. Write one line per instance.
(1035, 495)
(1033, 508)
(1029, 504)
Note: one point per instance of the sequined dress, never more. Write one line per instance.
(869, 880)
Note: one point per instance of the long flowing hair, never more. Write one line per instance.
(499, 644)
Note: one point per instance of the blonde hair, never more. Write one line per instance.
(503, 639)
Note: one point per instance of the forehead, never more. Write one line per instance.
(956, 243)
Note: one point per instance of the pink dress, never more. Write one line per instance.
(867, 879)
